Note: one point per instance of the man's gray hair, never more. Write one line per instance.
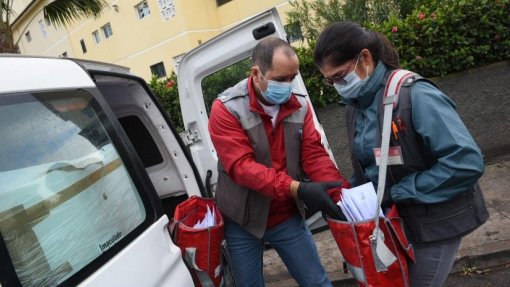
(263, 52)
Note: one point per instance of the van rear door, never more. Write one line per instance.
(151, 132)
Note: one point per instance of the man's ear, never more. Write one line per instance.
(255, 74)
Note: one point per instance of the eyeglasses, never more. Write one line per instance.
(339, 79)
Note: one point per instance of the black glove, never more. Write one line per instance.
(315, 197)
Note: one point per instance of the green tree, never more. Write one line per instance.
(6, 39)
(58, 12)
(217, 82)
(166, 91)
(64, 12)
(445, 36)
(314, 15)
(319, 92)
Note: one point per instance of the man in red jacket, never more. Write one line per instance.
(266, 143)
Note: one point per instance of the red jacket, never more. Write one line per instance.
(237, 155)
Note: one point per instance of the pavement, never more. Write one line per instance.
(488, 246)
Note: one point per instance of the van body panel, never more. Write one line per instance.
(20, 74)
(150, 260)
(74, 194)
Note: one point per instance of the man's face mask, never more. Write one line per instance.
(277, 93)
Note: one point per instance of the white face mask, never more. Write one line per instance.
(353, 86)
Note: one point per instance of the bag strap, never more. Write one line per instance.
(201, 275)
(382, 255)
(390, 102)
(228, 279)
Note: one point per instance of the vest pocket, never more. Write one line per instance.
(450, 225)
(436, 223)
(231, 199)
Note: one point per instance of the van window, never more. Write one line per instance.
(217, 82)
(65, 194)
(142, 141)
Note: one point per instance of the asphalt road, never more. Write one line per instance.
(482, 97)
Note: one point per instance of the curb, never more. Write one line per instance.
(500, 256)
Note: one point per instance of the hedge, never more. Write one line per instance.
(435, 38)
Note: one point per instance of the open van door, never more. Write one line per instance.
(215, 66)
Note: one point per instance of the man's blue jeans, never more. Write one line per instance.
(293, 242)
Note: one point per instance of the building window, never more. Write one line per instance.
(28, 36)
(42, 26)
(83, 47)
(167, 8)
(107, 30)
(158, 70)
(221, 2)
(96, 36)
(143, 9)
(294, 32)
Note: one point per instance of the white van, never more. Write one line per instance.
(91, 168)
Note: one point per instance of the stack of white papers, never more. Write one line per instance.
(359, 203)
(208, 220)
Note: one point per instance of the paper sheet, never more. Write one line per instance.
(359, 203)
(208, 220)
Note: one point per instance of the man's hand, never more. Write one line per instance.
(315, 197)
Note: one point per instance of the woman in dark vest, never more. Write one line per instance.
(434, 183)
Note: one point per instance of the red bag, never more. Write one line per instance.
(201, 247)
(353, 239)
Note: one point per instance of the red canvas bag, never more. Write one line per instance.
(201, 247)
(353, 240)
(377, 251)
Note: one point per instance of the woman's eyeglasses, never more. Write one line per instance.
(339, 78)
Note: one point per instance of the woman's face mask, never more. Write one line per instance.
(277, 93)
(351, 88)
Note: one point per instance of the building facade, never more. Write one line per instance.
(149, 36)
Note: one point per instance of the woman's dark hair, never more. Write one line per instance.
(343, 41)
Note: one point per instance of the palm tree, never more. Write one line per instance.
(6, 40)
(63, 12)
(58, 12)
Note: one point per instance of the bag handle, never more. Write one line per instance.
(383, 257)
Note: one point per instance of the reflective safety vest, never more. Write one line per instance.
(249, 208)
